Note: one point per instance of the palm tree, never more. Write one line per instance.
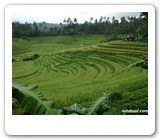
(69, 20)
(96, 20)
(104, 18)
(75, 20)
(64, 21)
(113, 19)
(107, 20)
(91, 19)
(101, 19)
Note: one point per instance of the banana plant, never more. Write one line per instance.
(103, 105)
(31, 100)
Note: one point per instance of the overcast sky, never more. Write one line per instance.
(56, 13)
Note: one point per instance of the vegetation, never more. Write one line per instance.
(80, 69)
(70, 73)
(143, 29)
(29, 100)
(102, 26)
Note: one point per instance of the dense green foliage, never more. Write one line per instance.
(78, 69)
(31, 101)
(28, 100)
(102, 26)
(143, 29)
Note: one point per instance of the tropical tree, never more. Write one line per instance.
(91, 19)
(143, 29)
(75, 20)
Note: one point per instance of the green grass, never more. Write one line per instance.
(68, 72)
(50, 44)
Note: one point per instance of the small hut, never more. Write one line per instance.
(130, 37)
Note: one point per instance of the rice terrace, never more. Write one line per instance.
(80, 69)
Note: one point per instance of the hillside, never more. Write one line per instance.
(79, 69)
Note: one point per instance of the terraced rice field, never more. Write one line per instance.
(83, 73)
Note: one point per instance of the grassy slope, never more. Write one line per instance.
(67, 72)
(51, 44)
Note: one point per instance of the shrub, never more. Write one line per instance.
(113, 37)
(35, 56)
(28, 58)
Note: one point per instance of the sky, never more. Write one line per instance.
(57, 13)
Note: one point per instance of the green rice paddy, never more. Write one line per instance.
(79, 69)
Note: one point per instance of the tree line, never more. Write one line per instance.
(103, 26)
